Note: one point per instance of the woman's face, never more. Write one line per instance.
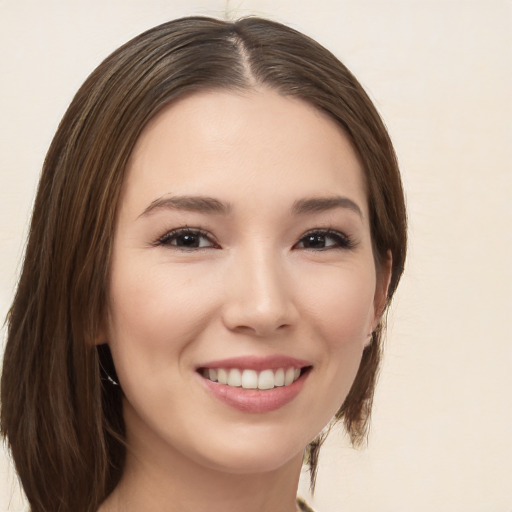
(243, 285)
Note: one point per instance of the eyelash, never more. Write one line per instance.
(341, 241)
(174, 234)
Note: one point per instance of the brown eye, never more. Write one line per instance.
(186, 239)
(321, 239)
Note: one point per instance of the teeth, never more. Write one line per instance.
(234, 378)
(251, 379)
(222, 376)
(289, 376)
(266, 379)
(279, 377)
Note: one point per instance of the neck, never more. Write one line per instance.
(184, 489)
(161, 479)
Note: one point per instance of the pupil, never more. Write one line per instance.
(188, 240)
(315, 241)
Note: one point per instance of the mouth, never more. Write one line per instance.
(253, 384)
(247, 378)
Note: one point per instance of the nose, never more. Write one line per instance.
(260, 299)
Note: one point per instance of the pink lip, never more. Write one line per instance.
(255, 400)
(257, 363)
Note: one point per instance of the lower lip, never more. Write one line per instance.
(254, 400)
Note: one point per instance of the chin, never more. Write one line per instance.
(261, 446)
(251, 459)
(242, 447)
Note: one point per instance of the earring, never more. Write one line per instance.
(105, 376)
(110, 379)
(106, 363)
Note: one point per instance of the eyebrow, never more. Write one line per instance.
(199, 204)
(322, 204)
(204, 204)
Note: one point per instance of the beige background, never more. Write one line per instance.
(440, 72)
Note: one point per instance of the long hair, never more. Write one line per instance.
(61, 416)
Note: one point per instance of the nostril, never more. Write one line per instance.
(260, 329)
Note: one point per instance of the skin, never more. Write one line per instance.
(254, 287)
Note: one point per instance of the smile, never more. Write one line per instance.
(255, 384)
(252, 379)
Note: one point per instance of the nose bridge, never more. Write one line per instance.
(260, 300)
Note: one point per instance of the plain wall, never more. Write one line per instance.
(440, 72)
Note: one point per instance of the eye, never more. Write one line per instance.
(322, 239)
(187, 238)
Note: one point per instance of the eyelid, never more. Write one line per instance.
(347, 241)
(183, 230)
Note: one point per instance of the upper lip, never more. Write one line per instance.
(257, 363)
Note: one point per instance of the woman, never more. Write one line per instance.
(218, 231)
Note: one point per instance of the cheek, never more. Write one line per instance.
(340, 307)
(340, 304)
(154, 315)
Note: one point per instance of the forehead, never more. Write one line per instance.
(256, 142)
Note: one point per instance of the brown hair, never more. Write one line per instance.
(61, 417)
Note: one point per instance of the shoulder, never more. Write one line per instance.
(303, 506)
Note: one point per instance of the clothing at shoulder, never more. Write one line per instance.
(303, 506)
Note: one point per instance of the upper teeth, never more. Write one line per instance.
(251, 379)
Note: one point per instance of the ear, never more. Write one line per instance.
(380, 300)
(100, 337)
